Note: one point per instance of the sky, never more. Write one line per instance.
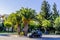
(9, 6)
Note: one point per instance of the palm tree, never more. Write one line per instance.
(28, 15)
(18, 21)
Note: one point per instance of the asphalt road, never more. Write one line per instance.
(15, 37)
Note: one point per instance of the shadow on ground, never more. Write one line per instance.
(50, 38)
(47, 38)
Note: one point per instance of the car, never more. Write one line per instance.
(35, 33)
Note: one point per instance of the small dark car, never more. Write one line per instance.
(35, 33)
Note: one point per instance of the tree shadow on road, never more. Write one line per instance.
(46, 38)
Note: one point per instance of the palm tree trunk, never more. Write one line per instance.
(26, 29)
(18, 29)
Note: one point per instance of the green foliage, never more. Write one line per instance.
(27, 13)
(39, 18)
(45, 10)
(33, 24)
(27, 17)
(18, 17)
(7, 24)
(46, 23)
(12, 18)
(57, 23)
(55, 12)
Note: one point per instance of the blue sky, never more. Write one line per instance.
(9, 6)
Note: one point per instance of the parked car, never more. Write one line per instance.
(35, 33)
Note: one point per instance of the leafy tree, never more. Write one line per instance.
(33, 25)
(46, 24)
(15, 19)
(57, 24)
(45, 10)
(28, 15)
(12, 19)
(39, 18)
(7, 24)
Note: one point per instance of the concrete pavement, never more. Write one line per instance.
(16, 38)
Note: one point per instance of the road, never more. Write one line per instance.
(9, 36)
(15, 37)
